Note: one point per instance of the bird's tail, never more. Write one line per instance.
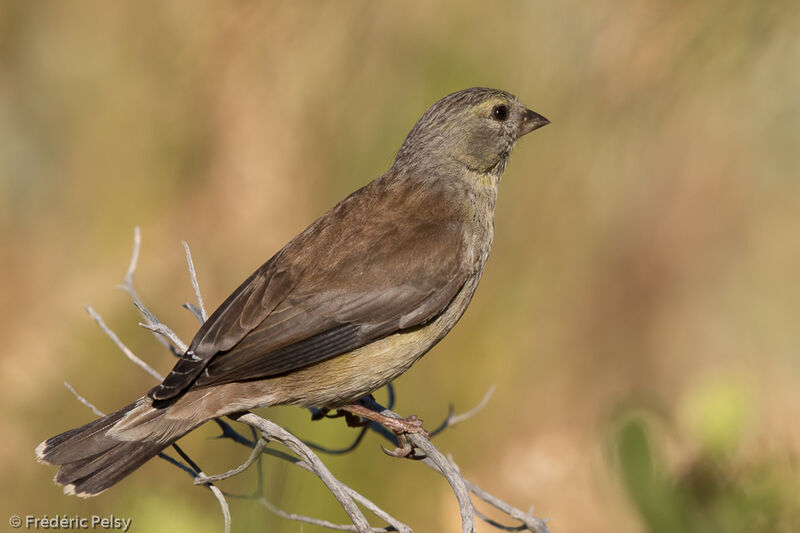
(98, 455)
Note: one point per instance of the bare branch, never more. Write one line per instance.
(226, 513)
(195, 311)
(128, 353)
(530, 522)
(146, 313)
(475, 410)
(127, 286)
(275, 432)
(83, 400)
(229, 432)
(186, 468)
(317, 521)
(440, 462)
(453, 419)
(223, 503)
(339, 451)
(453, 476)
(196, 285)
(437, 461)
(498, 525)
(254, 456)
(137, 246)
(164, 330)
(377, 511)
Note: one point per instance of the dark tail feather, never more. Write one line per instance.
(91, 460)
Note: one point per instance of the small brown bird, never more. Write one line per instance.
(343, 309)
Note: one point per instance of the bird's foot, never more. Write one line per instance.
(359, 415)
(404, 448)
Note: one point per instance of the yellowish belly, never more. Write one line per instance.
(334, 382)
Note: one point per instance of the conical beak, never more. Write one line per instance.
(531, 120)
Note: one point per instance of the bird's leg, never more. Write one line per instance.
(352, 420)
(399, 426)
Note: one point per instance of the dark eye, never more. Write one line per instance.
(500, 112)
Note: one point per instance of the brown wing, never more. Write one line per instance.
(244, 309)
(357, 274)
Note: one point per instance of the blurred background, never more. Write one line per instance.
(639, 314)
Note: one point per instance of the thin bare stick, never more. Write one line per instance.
(127, 284)
(146, 313)
(296, 445)
(451, 473)
(83, 400)
(498, 525)
(127, 287)
(377, 511)
(475, 410)
(443, 465)
(196, 285)
(128, 353)
(197, 473)
(223, 503)
(453, 419)
(195, 311)
(317, 521)
(339, 451)
(531, 523)
(229, 432)
(162, 329)
(177, 463)
(226, 512)
(137, 246)
(437, 461)
(254, 455)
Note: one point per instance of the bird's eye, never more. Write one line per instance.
(500, 112)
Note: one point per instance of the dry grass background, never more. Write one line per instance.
(647, 251)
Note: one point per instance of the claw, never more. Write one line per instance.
(404, 452)
(401, 427)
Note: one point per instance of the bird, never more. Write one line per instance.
(344, 308)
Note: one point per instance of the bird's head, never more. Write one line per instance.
(475, 128)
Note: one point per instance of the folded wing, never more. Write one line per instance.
(352, 277)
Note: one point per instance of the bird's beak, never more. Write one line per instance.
(531, 120)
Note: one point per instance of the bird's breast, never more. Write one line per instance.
(479, 200)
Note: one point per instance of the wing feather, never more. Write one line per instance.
(357, 274)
